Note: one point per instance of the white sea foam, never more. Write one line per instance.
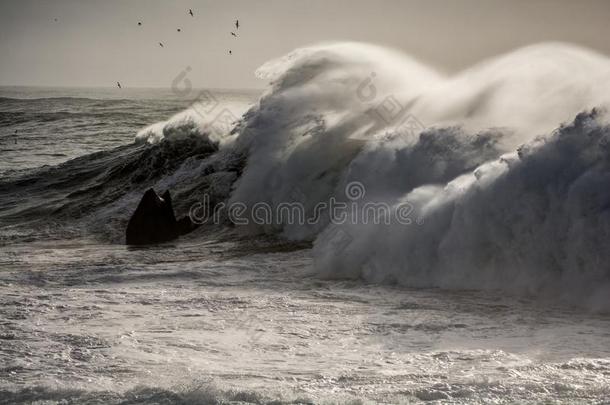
(209, 118)
(500, 198)
(531, 221)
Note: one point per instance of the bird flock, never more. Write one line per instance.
(192, 14)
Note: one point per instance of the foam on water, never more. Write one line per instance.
(223, 322)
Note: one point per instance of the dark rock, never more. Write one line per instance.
(185, 225)
(154, 221)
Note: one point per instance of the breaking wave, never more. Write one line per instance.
(508, 177)
(505, 166)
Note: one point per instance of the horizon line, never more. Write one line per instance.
(125, 87)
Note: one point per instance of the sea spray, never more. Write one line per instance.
(482, 224)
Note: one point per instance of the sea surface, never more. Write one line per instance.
(222, 316)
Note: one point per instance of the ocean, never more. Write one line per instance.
(486, 281)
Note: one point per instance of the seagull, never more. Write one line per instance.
(230, 53)
(139, 23)
(179, 30)
(234, 34)
(236, 24)
(119, 85)
(191, 12)
(161, 44)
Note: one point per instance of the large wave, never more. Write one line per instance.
(534, 221)
(508, 189)
(504, 167)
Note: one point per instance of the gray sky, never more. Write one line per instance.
(96, 43)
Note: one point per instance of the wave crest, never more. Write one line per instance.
(504, 202)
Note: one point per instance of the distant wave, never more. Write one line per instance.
(75, 99)
(17, 117)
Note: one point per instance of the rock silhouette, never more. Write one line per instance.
(154, 221)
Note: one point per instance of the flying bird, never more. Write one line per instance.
(179, 30)
(55, 19)
(161, 44)
(230, 53)
(191, 12)
(234, 34)
(236, 24)
(119, 85)
(139, 23)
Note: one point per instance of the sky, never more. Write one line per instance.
(99, 42)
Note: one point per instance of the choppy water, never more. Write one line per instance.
(46, 126)
(223, 317)
(228, 321)
(225, 320)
